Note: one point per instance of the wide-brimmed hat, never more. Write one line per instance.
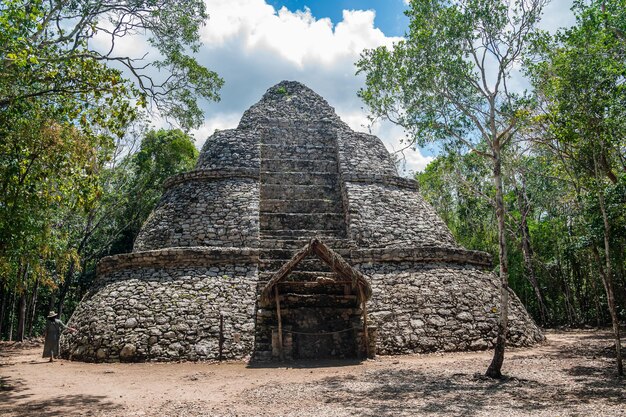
(52, 314)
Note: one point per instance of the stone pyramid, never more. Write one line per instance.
(290, 172)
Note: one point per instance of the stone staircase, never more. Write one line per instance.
(321, 316)
(301, 199)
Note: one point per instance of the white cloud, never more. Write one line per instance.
(253, 46)
(219, 121)
(557, 15)
(297, 37)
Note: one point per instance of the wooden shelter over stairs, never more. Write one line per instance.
(330, 309)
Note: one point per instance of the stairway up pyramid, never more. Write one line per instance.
(290, 172)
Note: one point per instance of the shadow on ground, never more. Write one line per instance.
(571, 377)
(9, 349)
(305, 364)
(15, 401)
(400, 392)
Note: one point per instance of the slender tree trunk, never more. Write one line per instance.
(608, 284)
(620, 264)
(562, 277)
(22, 306)
(527, 251)
(33, 309)
(29, 308)
(21, 317)
(607, 276)
(12, 316)
(580, 294)
(3, 309)
(596, 299)
(495, 368)
(569, 299)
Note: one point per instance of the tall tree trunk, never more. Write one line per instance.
(596, 299)
(32, 308)
(596, 292)
(22, 306)
(495, 368)
(608, 284)
(12, 316)
(562, 277)
(620, 264)
(527, 251)
(572, 317)
(607, 276)
(21, 317)
(3, 309)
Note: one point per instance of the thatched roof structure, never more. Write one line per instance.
(336, 263)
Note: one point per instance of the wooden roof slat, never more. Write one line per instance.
(330, 257)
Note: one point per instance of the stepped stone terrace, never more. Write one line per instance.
(293, 238)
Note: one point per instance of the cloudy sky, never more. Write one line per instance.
(254, 44)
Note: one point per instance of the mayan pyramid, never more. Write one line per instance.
(294, 237)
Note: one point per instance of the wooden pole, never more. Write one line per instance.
(366, 338)
(220, 342)
(280, 324)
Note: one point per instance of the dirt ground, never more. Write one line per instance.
(573, 374)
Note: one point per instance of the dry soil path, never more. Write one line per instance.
(572, 374)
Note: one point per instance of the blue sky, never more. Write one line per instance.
(389, 18)
(254, 44)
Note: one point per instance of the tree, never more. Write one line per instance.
(447, 81)
(66, 53)
(66, 93)
(162, 154)
(131, 189)
(580, 82)
(46, 168)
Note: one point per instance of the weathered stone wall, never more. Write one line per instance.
(386, 215)
(230, 149)
(363, 154)
(290, 171)
(288, 101)
(218, 212)
(424, 307)
(423, 254)
(165, 314)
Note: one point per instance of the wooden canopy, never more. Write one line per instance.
(331, 258)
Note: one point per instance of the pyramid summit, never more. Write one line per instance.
(294, 237)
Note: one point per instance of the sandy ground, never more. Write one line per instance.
(572, 374)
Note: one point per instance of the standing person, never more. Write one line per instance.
(54, 327)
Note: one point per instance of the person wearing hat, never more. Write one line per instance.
(52, 334)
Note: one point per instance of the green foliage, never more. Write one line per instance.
(162, 154)
(66, 97)
(562, 229)
(459, 189)
(447, 80)
(48, 52)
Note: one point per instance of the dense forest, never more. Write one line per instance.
(535, 177)
(80, 168)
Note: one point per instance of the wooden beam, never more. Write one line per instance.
(340, 266)
(280, 325)
(284, 271)
(327, 255)
(366, 338)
